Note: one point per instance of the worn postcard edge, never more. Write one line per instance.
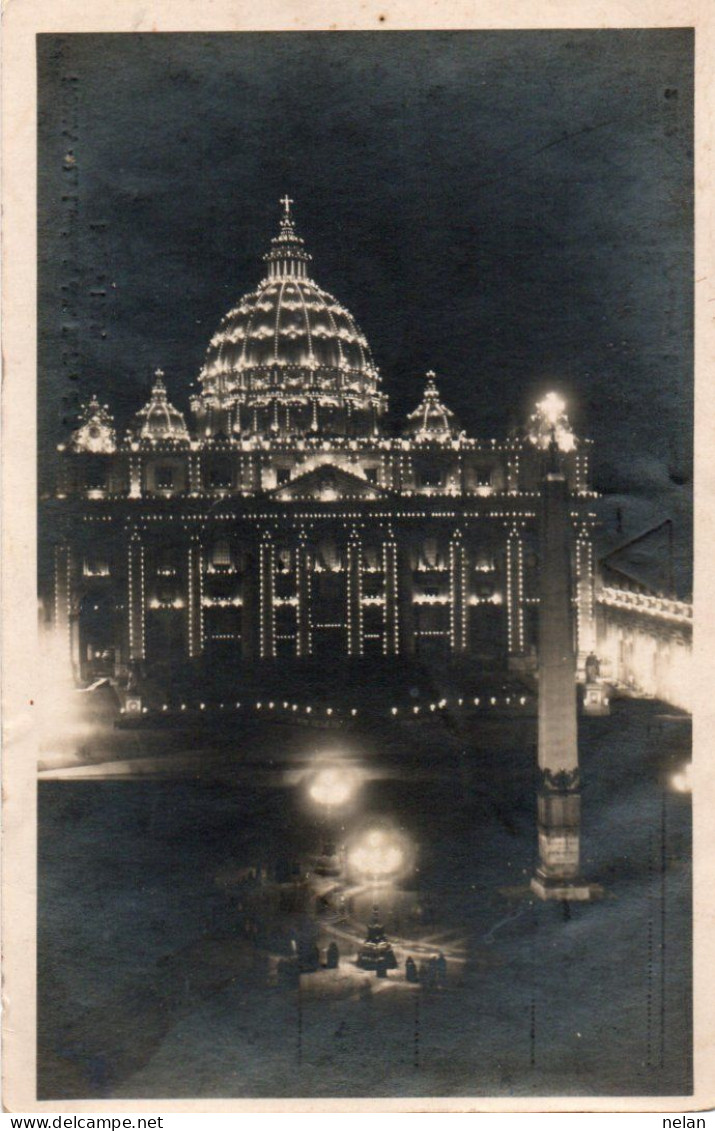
(23, 20)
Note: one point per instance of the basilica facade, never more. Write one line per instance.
(281, 519)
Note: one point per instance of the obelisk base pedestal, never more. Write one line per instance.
(558, 875)
(568, 891)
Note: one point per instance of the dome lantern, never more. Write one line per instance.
(287, 258)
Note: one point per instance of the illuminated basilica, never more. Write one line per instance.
(282, 519)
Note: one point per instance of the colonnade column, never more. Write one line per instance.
(266, 610)
(457, 595)
(391, 639)
(354, 596)
(515, 592)
(303, 579)
(194, 604)
(136, 598)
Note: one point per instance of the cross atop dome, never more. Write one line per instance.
(287, 257)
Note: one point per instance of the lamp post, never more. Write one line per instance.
(378, 858)
(332, 787)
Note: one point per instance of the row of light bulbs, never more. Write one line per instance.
(406, 711)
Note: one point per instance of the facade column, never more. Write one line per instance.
(391, 638)
(64, 604)
(406, 592)
(136, 616)
(354, 596)
(512, 472)
(194, 603)
(457, 595)
(304, 577)
(194, 473)
(135, 476)
(515, 592)
(249, 608)
(559, 798)
(266, 609)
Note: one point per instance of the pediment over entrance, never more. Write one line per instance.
(325, 484)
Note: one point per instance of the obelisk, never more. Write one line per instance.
(559, 799)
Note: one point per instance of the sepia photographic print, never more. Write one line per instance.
(363, 689)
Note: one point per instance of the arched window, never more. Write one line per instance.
(221, 553)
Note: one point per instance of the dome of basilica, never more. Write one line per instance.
(289, 358)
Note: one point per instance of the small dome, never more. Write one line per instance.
(96, 431)
(431, 420)
(159, 420)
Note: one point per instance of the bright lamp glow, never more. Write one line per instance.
(550, 422)
(681, 782)
(333, 786)
(551, 408)
(378, 856)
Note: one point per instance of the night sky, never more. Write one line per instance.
(512, 209)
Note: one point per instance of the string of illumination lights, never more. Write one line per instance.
(406, 711)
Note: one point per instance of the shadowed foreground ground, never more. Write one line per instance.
(149, 985)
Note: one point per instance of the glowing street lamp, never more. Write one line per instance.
(379, 856)
(682, 781)
(333, 786)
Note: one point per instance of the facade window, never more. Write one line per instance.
(96, 474)
(430, 477)
(372, 586)
(166, 563)
(164, 478)
(371, 474)
(282, 475)
(95, 566)
(483, 477)
(220, 474)
(221, 555)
